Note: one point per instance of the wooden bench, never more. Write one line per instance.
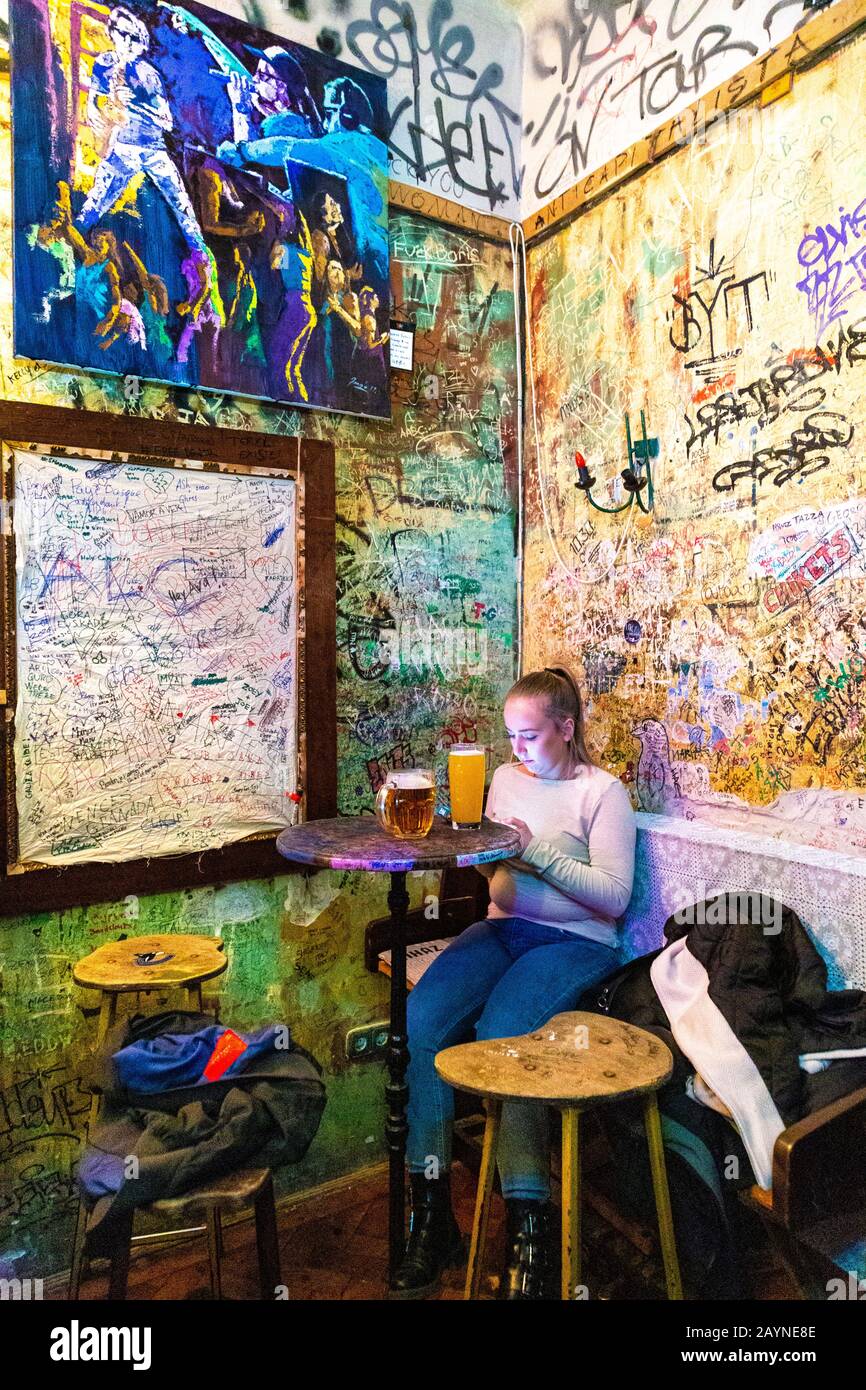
(816, 1212)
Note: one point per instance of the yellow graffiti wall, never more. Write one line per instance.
(721, 636)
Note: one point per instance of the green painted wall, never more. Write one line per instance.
(426, 616)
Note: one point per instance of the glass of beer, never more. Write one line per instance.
(406, 803)
(466, 764)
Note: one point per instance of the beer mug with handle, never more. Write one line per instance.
(406, 803)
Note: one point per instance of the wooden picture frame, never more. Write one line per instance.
(145, 441)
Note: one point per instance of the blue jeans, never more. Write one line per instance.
(498, 978)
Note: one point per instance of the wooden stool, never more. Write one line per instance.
(123, 967)
(244, 1188)
(135, 966)
(573, 1062)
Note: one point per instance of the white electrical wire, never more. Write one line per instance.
(517, 239)
(518, 341)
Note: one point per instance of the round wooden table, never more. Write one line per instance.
(359, 843)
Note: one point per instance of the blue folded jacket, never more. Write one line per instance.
(172, 1060)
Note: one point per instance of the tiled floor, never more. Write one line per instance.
(335, 1247)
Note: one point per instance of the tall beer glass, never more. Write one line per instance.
(406, 803)
(466, 763)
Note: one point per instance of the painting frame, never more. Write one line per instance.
(311, 464)
(200, 203)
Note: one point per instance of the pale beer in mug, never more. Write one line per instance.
(406, 803)
(466, 766)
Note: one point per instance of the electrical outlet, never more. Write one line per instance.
(369, 1043)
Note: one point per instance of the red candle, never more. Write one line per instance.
(583, 471)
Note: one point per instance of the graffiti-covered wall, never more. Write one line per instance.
(597, 75)
(722, 638)
(426, 613)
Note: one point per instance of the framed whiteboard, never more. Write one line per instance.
(156, 678)
(156, 658)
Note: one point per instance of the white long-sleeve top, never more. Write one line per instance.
(578, 869)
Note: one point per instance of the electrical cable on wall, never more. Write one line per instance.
(518, 240)
(513, 242)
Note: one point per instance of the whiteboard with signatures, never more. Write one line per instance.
(156, 658)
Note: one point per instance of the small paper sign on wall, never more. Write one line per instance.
(402, 346)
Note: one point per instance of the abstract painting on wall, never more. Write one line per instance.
(199, 202)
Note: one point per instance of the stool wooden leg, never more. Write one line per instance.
(77, 1262)
(119, 1272)
(570, 1277)
(107, 1017)
(482, 1200)
(214, 1241)
(662, 1196)
(76, 1268)
(194, 999)
(267, 1243)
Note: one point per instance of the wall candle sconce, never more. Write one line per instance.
(633, 476)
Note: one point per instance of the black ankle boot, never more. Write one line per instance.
(435, 1241)
(527, 1250)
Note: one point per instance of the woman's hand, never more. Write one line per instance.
(521, 827)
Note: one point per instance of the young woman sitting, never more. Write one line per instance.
(550, 934)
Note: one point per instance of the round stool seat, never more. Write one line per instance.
(179, 960)
(574, 1059)
(231, 1193)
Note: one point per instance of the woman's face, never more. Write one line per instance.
(541, 743)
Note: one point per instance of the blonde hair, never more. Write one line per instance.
(558, 687)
